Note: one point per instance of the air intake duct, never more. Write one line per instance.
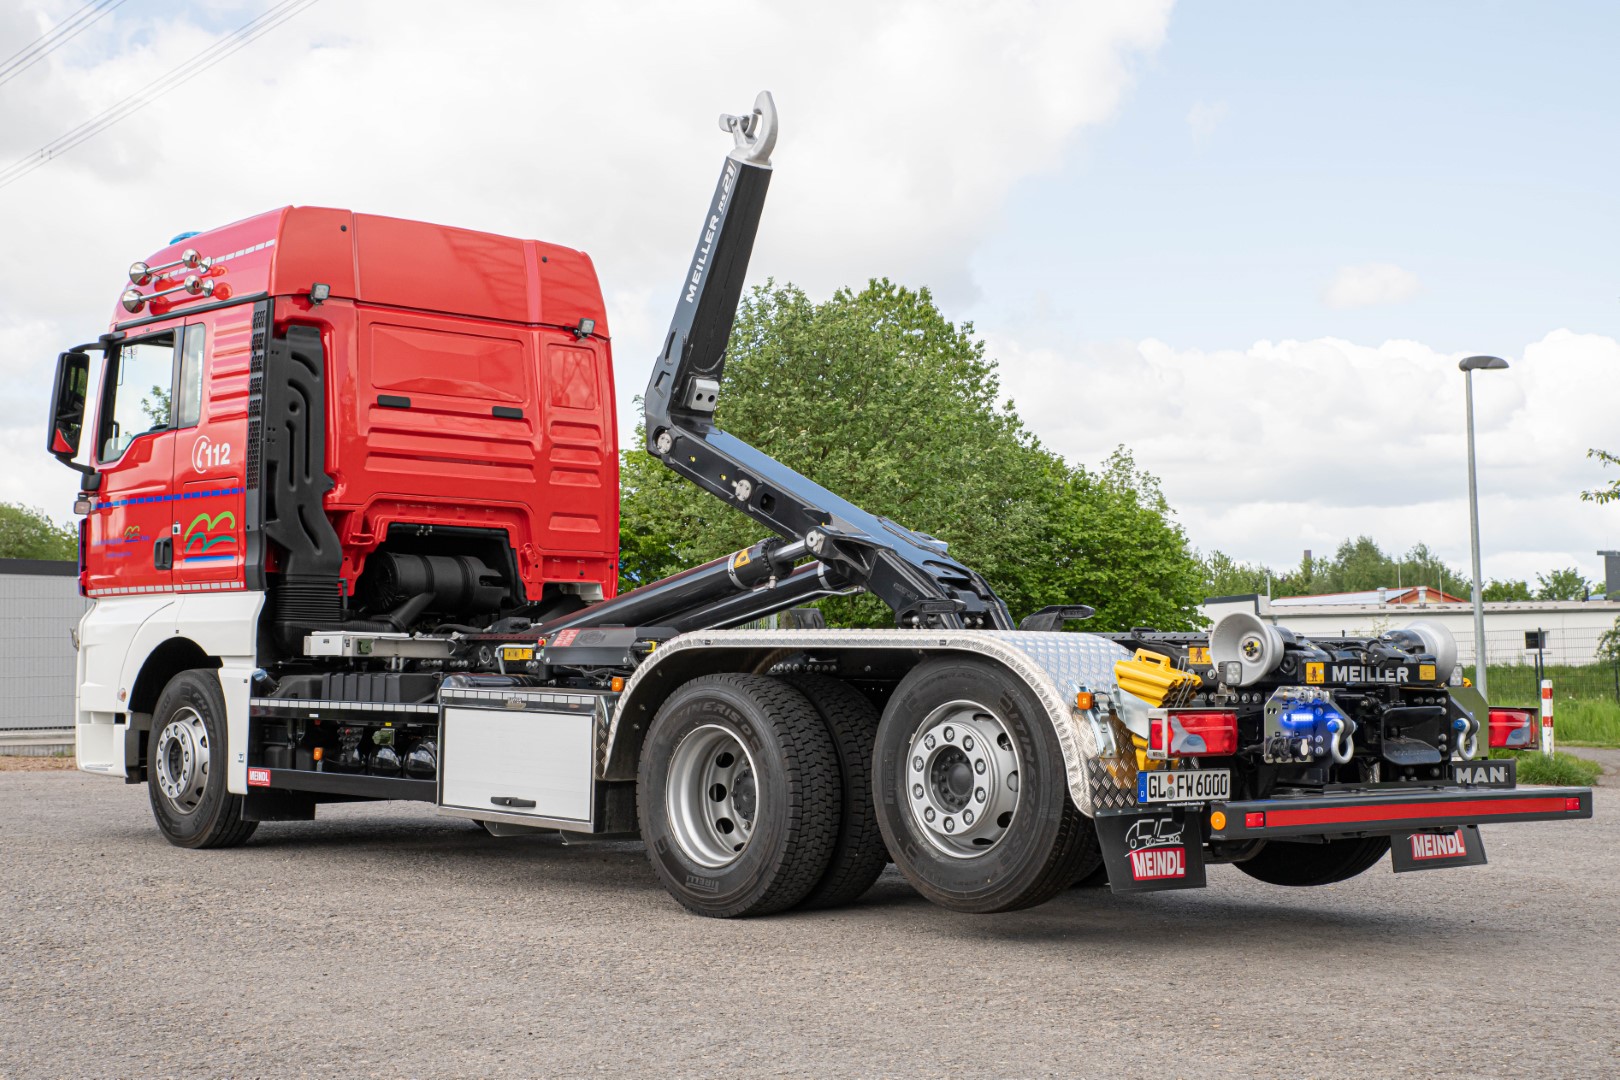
(452, 584)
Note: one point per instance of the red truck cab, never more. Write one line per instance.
(466, 383)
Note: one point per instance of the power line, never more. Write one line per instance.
(54, 38)
(174, 78)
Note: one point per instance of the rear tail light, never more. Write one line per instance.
(1192, 733)
(1513, 729)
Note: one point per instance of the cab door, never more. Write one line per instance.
(210, 395)
(131, 529)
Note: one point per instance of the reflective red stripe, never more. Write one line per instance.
(1410, 811)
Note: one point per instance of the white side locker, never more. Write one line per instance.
(519, 755)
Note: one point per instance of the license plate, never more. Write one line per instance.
(1183, 785)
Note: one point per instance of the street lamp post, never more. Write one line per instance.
(1468, 367)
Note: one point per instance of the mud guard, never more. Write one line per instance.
(1152, 851)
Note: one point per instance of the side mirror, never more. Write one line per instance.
(67, 406)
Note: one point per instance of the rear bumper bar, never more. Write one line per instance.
(1357, 813)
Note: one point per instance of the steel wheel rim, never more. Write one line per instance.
(180, 759)
(713, 796)
(961, 779)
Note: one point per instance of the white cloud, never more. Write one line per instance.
(1283, 446)
(1370, 284)
(1204, 117)
(903, 132)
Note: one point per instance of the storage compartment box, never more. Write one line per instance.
(519, 754)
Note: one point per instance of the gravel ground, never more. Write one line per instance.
(47, 763)
(383, 940)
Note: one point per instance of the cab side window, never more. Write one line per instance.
(139, 391)
(188, 407)
(155, 384)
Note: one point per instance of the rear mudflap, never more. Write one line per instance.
(1437, 850)
(1153, 850)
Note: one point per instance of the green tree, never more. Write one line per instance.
(1225, 576)
(1112, 542)
(1609, 644)
(1420, 566)
(1566, 584)
(1503, 590)
(1609, 492)
(878, 397)
(26, 533)
(1358, 565)
(156, 406)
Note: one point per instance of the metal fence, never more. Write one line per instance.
(39, 607)
(1566, 657)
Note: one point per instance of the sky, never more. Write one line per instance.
(1249, 241)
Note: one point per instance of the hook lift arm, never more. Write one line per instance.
(906, 570)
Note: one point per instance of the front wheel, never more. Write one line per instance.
(1284, 863)
(738, 793)
(972, 792)
(186, 764)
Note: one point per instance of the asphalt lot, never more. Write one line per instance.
(383, 940)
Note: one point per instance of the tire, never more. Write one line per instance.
(722, 748)
(858, 854)
(1094, 878)
(1090, 872)
(187, 759)
(1284, 863)
(996, 841)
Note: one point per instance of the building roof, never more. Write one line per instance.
(1415, 594)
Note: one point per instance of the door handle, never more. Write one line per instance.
(507, 800)
(163, 554)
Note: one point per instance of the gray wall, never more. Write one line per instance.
(39, 605)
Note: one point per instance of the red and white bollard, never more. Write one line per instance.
(1546, 717)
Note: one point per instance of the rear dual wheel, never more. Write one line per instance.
(739, 796)
(972, 793)
(858, 854)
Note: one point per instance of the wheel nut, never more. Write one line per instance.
(967, 742)
(978, 766)
(950, 825)
(917, 763)
(929, 742)
(916, 791)
(978, 795)
(928, 813)
(967, 817)
(950, 733)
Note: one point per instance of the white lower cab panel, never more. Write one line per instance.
(533, 764)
